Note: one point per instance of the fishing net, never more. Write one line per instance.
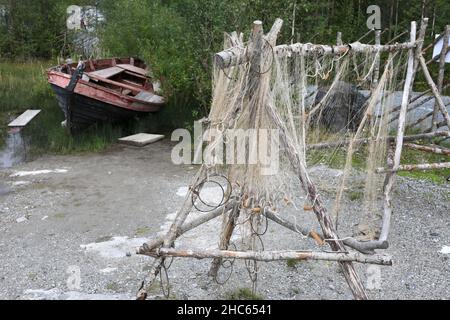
(334, 110)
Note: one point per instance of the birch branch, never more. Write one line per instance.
(440, 79)
(414, 167)
(152, 244)
(236, 55)
(435, 91)
(434, 149)
(413, 137)
(273, 255)
(361, 246)
(390, 178)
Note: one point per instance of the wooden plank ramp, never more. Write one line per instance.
(24, 118)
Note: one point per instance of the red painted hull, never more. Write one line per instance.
(101, 93)
(110, 90)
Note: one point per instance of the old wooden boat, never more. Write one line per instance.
(103, 90)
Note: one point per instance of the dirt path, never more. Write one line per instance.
(85, 213)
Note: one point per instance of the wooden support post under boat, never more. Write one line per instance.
(414, 167)
(440, 79)
(273, 255)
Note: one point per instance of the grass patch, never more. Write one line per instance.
(291, 263)
(243, 294)
(336, 159)
(416, 157)
(355, 195)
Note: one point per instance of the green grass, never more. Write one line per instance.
(336, 158)
(243, 294)
(291, 263)
(355, 195)
(23, 85)
(415, 157)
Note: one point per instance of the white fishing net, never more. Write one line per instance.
(327, 103)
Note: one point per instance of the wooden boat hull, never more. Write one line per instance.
(101, 100)
(82, 111)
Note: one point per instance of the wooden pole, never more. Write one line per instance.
(273, 255)
(361, 246)
(435, 91)
(418, 50)
(299, 167)
(170, 236)
(150, 245)
(431, 149)
(436, 58)
(294, 227)
(390, 179)
(414, 167)
(227, 231)
(338, 43)
(420, 103)
(414, 137)
(255, 49)
(440, 80)
(237, 55)
(322, 215)
(376, 70)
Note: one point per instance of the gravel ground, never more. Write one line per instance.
(86, 214)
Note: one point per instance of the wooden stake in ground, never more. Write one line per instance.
(227, 231)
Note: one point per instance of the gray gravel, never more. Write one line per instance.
(90, 218)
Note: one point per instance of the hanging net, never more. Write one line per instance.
(333, 111)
